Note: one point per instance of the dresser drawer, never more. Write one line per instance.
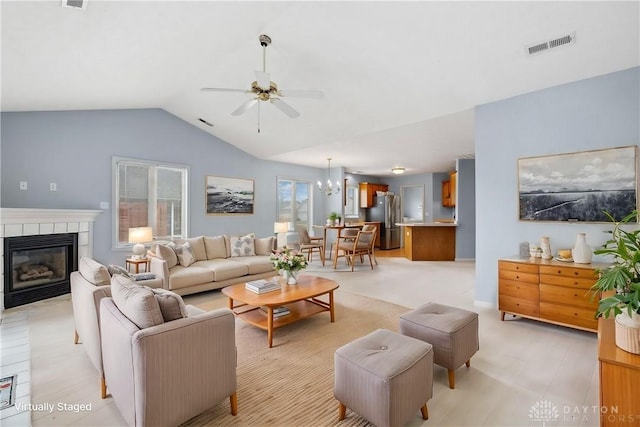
(517, 266)
(522, 290)
(582, 273)
(577, 316)
(518, 276)
(568, 296)
(569, 282)
(518, 306)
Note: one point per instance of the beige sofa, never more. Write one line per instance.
(204, 263)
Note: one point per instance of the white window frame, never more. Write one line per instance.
(295, 182)
(115, 163)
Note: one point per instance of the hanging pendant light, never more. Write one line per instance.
(329, 188)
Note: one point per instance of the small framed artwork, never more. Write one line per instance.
(228, 195)
(578, 186)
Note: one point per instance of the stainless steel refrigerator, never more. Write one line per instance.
(386, 210)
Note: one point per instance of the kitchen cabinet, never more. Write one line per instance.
(429, 241)
(449, 190)
(368, 192)
(548, 290)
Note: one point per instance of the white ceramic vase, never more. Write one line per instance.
(582, 251)
(545, 245)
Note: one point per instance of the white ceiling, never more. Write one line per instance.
(400, 78)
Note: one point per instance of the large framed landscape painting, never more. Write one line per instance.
(578, 186)
(228, 195)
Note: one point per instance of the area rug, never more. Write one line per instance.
(291, 384)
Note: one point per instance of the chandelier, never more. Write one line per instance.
(329, 188)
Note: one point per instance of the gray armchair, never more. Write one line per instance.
(166, 374)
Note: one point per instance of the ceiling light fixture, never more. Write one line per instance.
(397, 171)
(329, 189)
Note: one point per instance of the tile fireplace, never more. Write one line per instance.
(40, 248)
(38, 267)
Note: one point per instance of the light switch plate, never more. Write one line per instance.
(23, 185)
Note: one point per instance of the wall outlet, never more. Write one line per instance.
(53, 186)
(23, 185)
(104, 205)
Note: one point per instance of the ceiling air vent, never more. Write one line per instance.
(75, 4)
(551, 44)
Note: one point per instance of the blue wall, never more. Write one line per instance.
(74, 149)
(466, 209)
(596, 113)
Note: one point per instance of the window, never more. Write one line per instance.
(149, 194)
(294, 202)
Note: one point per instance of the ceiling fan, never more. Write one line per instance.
(264, 89)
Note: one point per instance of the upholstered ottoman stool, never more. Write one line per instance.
(453, 332)
(385, 377)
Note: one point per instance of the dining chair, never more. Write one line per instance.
(360, 246)
(309, 243)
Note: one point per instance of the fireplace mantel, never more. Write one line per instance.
(34, 215)
(16, 222)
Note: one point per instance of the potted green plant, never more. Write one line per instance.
(333, 216)
(619, 285)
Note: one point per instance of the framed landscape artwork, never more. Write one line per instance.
(578, 186)
(228, 195)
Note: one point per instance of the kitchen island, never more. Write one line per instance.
(429, 241)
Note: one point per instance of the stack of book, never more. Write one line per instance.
(262, 286)
(277, 311)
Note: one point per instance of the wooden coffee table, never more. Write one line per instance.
(300, 299)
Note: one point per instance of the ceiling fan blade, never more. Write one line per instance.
(218, 89)
(284, 107)
(244, 107)
(302, 93)
(264, 79)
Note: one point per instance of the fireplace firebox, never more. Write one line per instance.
(38, 267)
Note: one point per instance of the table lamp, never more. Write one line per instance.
(281, 229)
(140, 236)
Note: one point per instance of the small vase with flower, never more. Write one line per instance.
(289, 262)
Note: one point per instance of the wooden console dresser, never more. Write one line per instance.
(548, 290)
(619, 380)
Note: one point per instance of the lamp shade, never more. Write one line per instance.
(140, 236)
(280, 227)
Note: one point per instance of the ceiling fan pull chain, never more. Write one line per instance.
(258, 117)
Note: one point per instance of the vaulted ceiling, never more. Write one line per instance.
(400, 79)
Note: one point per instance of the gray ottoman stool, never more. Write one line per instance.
(453, 332)
(385, 377)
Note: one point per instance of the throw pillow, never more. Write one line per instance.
(186, 257)
(264, 245)
(199, 250)
(171, 304)
(215, 247)
(116, 269)
(94, 272)
(167, 252)
(142, 276)
(137, 303)
(242, 245)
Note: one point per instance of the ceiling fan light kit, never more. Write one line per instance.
(397, 170)
(265, 90)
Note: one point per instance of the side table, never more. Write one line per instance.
(137, 262)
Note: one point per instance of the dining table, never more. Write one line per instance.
(338, 228)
